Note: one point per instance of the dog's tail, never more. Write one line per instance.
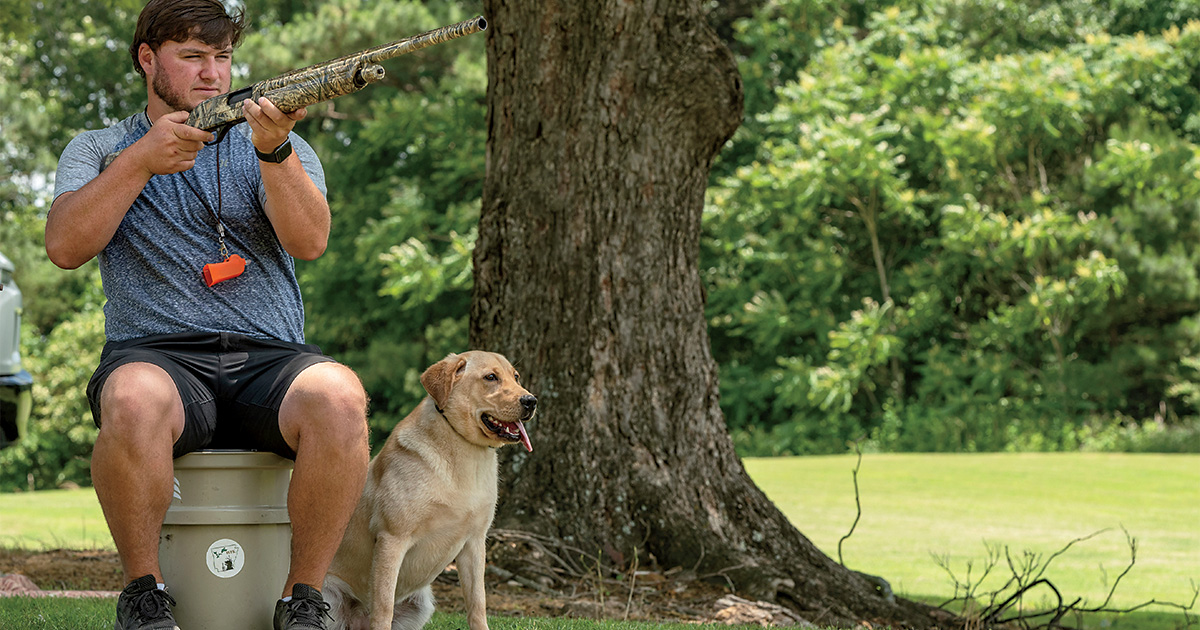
(348, 611)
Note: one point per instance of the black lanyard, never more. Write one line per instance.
(217, 213)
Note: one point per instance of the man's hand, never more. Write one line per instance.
(269, 125)
(171, 146)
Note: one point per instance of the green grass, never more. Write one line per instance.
(47, 613)
(914, 507)
(53, 519)
(24, 613)
(918, 506)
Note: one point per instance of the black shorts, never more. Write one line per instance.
(231, 385)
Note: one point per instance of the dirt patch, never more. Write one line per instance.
(64, 569)
(651, 595)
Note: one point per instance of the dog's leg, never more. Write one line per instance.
(413, 612)
(470, 564)
(385, 567)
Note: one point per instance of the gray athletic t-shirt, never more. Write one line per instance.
(152, 268)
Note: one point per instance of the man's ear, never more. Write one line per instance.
(440, 378)
(145, 56)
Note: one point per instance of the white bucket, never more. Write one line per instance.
(226, 541)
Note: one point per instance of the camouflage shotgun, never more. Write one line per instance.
(320, 82)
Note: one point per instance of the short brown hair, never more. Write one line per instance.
(180, 20)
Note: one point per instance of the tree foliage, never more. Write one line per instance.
(947, 238)
(949, 225)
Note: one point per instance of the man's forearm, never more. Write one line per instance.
(297, 209)
(81, 223)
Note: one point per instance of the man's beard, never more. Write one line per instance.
(170, 95)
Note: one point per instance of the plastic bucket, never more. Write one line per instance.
(226, 540)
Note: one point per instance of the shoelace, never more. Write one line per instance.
(308, 611)
(150, 605)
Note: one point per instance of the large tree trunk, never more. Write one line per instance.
(604, 117)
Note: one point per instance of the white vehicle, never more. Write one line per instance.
(16, 398)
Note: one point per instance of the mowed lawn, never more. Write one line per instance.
(918, 506)
(53, 519)
(914, 507)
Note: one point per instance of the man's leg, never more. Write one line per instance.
(324, 419)
(132, 469)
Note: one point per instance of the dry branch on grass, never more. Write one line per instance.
(1006, 606)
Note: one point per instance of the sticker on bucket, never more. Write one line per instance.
(225, 558)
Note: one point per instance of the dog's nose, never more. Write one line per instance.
(529, 402)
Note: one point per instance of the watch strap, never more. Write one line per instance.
(280, 153)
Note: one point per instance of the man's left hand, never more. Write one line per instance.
(269, 125)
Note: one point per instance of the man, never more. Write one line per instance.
(190, 363)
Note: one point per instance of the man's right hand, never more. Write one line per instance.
(81, 223)
(171, 146)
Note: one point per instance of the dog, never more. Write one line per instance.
(429, 498)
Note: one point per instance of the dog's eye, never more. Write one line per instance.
(491, 377)
(516, 377)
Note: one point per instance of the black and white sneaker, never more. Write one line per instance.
(142, 606)
(306, 611)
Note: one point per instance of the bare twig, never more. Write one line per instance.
(547, 546)
(969, 586)
(857, 503)
(722, 573)
(632, 582)
(880, 585)
(1133, 545)
(1027, 574)
(505, 574)
(599, 588)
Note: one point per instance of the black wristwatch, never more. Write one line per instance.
(278, 155)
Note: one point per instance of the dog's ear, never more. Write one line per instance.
(440, 378)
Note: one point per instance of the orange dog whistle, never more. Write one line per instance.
(222, 271)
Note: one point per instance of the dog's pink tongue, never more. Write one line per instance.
(524, 436)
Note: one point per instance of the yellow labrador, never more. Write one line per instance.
(430, 498)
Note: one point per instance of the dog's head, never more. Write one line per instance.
(480, 394)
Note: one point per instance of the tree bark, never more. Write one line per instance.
(604, 118)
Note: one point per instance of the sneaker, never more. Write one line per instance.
(142, 606)
(306, 611)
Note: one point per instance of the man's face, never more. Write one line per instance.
(183, 74)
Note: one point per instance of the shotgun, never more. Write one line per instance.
(320, 82)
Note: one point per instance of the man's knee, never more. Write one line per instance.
(327, 398)
(138, 398)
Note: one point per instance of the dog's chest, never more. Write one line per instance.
(437, 499)
(439, 543)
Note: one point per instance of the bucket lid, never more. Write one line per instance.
(231, 458)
